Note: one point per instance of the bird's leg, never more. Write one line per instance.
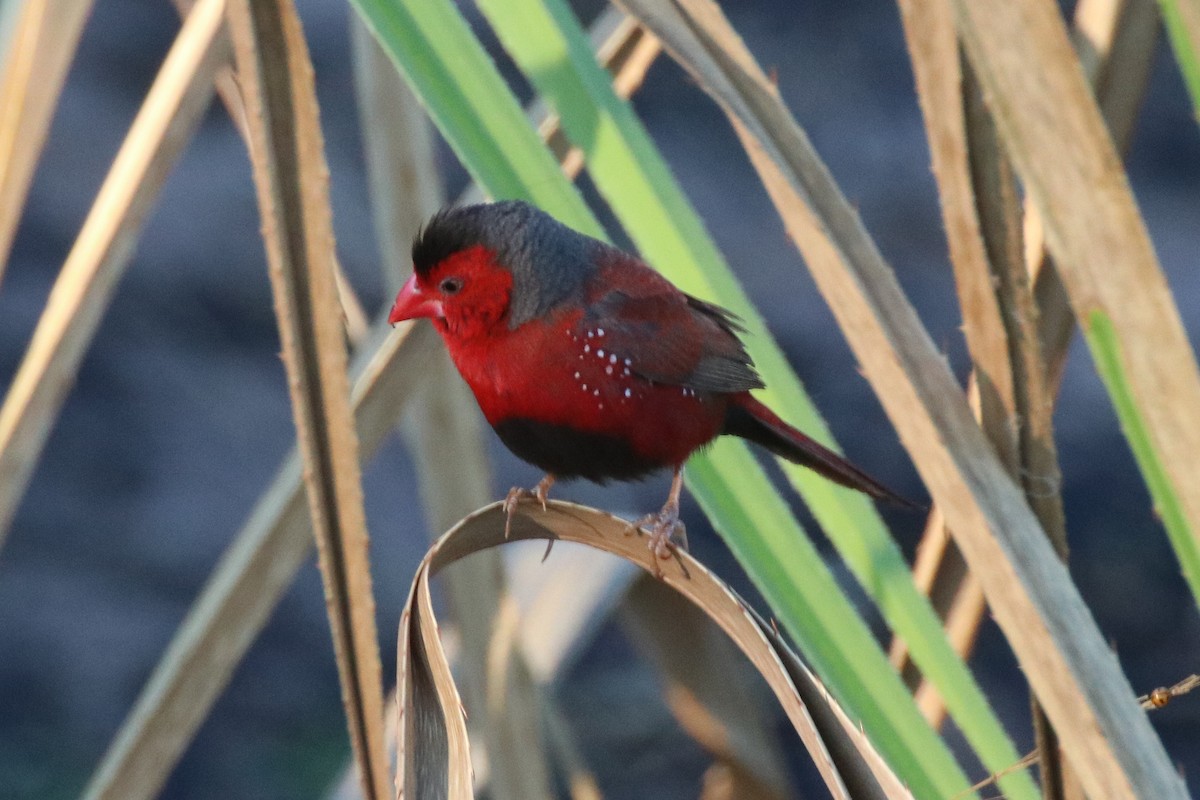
(515, 494)
(666, 530)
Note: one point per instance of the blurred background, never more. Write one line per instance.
(180, 415)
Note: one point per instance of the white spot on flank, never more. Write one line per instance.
(628, 393)
(587, 348)
(596, 393)
(600, 353)
(627, 370)
(600, 331)
(585, 387)
(613, 358)
(576, 376)
(589, 334)
(608, 370)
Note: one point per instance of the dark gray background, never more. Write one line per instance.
(180, 414)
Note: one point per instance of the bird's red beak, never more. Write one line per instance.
(411, 303)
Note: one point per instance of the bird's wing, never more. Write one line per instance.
(671, 338)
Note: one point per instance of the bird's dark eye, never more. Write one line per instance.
(450, 286)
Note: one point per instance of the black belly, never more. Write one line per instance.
(569, 453)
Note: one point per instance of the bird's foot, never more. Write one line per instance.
(516, 494)
(510, 505)
(667, 534)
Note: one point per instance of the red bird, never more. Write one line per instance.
(586, 362)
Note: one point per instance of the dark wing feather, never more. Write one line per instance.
(728, 320)
(674, 339)
(726, 363)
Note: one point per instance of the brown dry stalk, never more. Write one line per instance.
(256, 569)
(353, 313)
(1067, 661)
(1022, 419)
(1115, 42)
(1054, 133)
(626, 50)
(982, 219)
(247, 584)
(444, 432)
(41, 47)
(287, 152)
(173, 107)
(933, 47)
(940, 570)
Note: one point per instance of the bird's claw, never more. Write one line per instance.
(510, 506)
(667, 534)
(515, 495)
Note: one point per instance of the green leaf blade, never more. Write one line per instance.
(1105, 347)
(646, 198)
(543, 37)
(432, 46)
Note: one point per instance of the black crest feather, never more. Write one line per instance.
(548, 260)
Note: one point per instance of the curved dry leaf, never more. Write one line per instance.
(434, 752)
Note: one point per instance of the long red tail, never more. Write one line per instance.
(753, 421)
